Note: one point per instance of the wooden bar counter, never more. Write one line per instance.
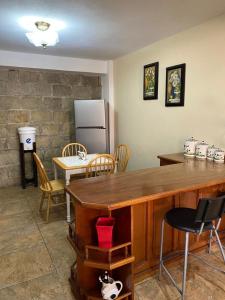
(138, 200)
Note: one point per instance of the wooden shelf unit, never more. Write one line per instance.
(92, 260)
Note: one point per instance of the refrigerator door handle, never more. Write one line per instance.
(90, 127)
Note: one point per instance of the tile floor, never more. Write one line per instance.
(35, 257)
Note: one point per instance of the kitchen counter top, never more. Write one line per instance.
(134, 187)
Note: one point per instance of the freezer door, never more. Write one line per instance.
(90, 113)
(95, 140)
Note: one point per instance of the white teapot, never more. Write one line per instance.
(189, 147)
(110, 288)
(82, 155)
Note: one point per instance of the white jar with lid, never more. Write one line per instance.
(219, 156)
(211, 151)
(189, 147)
(201, 150)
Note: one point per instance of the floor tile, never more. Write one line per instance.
(54, 231)
(24, 265)
(46, 287)
(16, 222)
(149, 289)
(63, 256)
(12, 207)
(16, 240)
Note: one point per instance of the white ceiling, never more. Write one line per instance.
(103, 29)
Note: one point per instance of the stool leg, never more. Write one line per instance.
(185, 265)
(161, 248)
(210, 241)
(220, 245)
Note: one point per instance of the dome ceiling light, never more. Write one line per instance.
(43, 35)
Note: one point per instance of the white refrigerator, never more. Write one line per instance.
(91, 125)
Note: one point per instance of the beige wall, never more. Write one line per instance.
(151, 128)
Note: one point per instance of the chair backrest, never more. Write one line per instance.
(72, 149)
(122, 155)
(45, 183)
(102, 164)
(210, 209)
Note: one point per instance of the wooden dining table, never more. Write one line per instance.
(70, 165)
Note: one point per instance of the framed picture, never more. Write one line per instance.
(151, 73)
(175, 85)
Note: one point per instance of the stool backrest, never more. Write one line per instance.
(210, 209)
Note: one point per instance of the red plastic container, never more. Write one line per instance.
(104, 228)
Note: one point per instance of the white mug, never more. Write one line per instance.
(219, 156)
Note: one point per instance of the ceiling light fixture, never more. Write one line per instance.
(43, 35)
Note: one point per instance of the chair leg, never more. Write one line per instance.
(42, 201)
(210, 241)
(161, 248)
(185, 265)
(220, 245)
(48, 207)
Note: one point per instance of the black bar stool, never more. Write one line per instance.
(193, 221)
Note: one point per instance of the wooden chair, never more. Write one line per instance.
(122, 155)
(102, 164)
(72, 149)
(51, 190)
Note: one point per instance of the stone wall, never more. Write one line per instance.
(43, 99)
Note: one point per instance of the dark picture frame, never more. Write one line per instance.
(175, 85)
(151, 78)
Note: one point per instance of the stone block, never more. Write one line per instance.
(9, 157)
(29, 76)
(61, 116)
(14, 88)
(3, 117)
(60, 90)
(73, 78)
(3, 87)
(40, 88)
(92, 81)
(41, 116)
(67, 129)
(13, 171)
(31, 102)
(13, 74)
(3, 143)
(12, 129)
(68, 104)
(52, 103)
(9, 102)
(52, 77)
(4, 74)
(58, 141)
(43, 141)
(18, 116)
(96, 92)
(3, 131)
(82, 92)
(49, 129)
(13, 143)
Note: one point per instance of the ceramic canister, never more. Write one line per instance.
(201, 150)
(219, 156)
(210, 152)
(189, 147)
